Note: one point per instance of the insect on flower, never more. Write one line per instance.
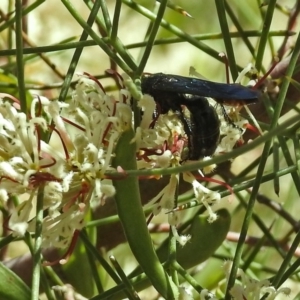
(202, 139)
(171, 92)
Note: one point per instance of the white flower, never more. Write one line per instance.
(250, 288)
(148, 106)
(71, 172)
(206, 295)
(181, 239)
(58, 229)
(18, 221)
(203, 195)
(165, 199)
(3, 196)
(185, 293)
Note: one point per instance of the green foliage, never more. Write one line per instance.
(11, 286)
(261, 224)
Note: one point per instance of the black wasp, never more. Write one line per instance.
(170, 92)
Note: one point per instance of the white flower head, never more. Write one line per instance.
(18, 221)
(70, 169)
(185, 293)
(253, 289)
(207, 295)
(204, 195)
(3, 196)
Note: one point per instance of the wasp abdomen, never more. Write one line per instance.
(203, 128)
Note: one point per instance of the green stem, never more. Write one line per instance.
(53, 276)
(115, 26)
(151, 39)
(106, 16)
(190, 279)
(77, 54)
(215, 160)
(115, 43)
(47, 288)
(261, 167)
(226, 37)
(20, 63)
(131, 293)
(292, 270)
(287, 260)
(96, 37)
(37, 251)
(172, 257)
(132, 217)
(26, 11)
(175, 30)
(289, 161)
(243, 34)
(265, 34)
(90, 247)
(90, 43)
(235, 188)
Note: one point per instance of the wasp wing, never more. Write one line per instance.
(200, 87)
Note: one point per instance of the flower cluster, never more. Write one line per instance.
(70, 169)
(253, 289)
(232, 128)
(248, 288)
